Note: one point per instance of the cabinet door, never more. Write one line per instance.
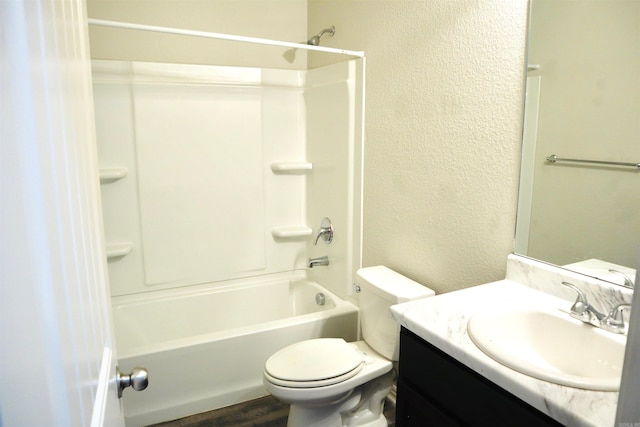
(456, 391)
(414, 410)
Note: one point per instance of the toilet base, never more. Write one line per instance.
(363, 407)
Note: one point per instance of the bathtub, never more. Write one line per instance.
(205, 347)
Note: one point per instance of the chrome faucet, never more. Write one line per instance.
(615, 320)
(628, 283)
(325, 232)
(315, 262)
(582, 310)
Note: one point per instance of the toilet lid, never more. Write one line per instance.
(314, 363)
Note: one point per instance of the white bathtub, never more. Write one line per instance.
(205, 348)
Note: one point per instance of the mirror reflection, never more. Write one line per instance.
(583, 102)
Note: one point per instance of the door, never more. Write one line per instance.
(57, 355)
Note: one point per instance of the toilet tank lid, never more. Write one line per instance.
(391, 285)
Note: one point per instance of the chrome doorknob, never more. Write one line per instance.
(138, 379)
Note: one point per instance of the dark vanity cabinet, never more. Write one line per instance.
(436, 390)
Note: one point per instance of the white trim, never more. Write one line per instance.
(529, 141)
(628, 412)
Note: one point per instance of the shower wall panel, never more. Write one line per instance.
(214, 174)
(199, 160)
(198, 202)
(335, 107)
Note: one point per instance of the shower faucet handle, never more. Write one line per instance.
(326, 231)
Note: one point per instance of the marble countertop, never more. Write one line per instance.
(442, 321)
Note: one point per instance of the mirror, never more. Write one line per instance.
(582, 102)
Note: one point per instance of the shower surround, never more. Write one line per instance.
(217, 178)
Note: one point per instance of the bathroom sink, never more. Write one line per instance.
(551, 346)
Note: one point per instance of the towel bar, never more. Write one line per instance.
(553, 158)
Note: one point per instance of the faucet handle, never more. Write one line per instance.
(628, 283)
(580, 306)
(326, 231)
(614, 321)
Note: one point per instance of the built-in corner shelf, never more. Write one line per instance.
(291, 232)
(291, 168)
(112, 174)
(118, 250)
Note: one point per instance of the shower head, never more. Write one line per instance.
(315, 40)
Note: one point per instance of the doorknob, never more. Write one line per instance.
(138, 379)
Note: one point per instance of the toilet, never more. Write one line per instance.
(331, 383)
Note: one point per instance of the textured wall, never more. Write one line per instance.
(443, 129)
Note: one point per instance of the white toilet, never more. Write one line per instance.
(331, 383)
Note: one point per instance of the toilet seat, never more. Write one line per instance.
(314, 363)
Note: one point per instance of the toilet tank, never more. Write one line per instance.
(380, 288)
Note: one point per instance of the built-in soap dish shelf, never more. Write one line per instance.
(291, 168)
(291, 232)
(112, 174)
(118, 250)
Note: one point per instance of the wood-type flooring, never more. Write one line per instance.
(263, 412)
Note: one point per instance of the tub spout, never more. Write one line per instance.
(314, 262)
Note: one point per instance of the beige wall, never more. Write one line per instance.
(444, 96)
(270, 19)
(443, 116)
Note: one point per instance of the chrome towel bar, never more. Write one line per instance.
(553, 158)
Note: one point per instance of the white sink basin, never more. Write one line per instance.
(551, 346)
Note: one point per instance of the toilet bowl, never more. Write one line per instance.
(331, 383)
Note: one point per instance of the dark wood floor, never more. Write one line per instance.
(263, 412)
